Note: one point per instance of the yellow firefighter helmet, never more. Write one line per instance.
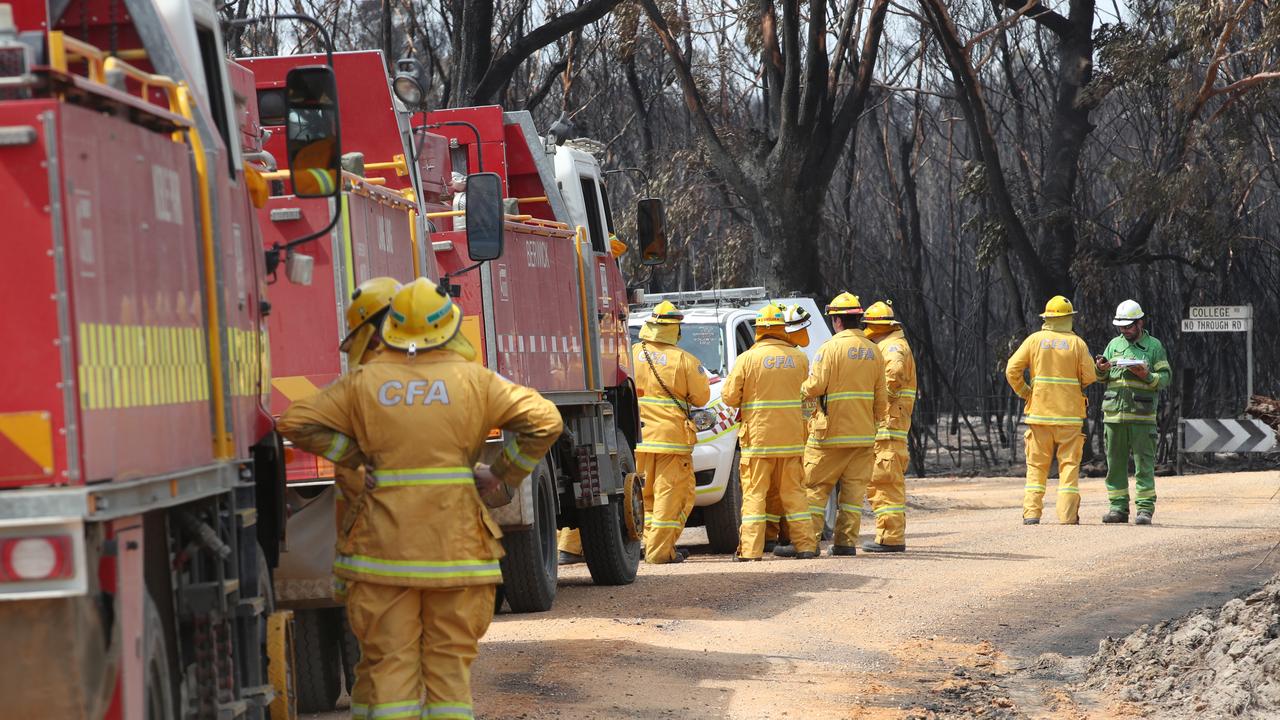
(666, 313)
(1058, 306)
(845, 304)
(369, 303)
(421, 317)
(880, 313)
(771, 316)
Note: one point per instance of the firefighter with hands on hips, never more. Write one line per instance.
(1135, 368)
(765, 385)
(888, 489)
(420, 551)
(1061, 368)
(848, 382)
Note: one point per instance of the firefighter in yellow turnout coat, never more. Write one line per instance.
(765, 385)
(1061, 368)
(847, 381)
(670, 382)
(420, 550)
(888, 489)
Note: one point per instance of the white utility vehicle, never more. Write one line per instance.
(719, 325)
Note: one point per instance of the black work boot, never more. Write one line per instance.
(806, 554)
(769, 545)
(1144, 517)
(739, 558)
(1030, 521)
(1115, 517)
(843, 551)
(568, 558)
(875, 547)
(788, 551)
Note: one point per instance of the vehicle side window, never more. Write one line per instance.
(592, 200)
(213, 66)
(608, 211)
(745, 335)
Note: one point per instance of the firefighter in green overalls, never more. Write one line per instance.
(1135, 368)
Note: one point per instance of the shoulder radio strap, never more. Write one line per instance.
(644, 347)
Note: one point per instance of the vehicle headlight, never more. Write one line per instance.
(703, 419)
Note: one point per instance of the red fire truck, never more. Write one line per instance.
(141, 483)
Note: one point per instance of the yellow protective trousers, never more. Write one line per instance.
(888, 491)
(671, 477)
(414, 639)
(569, 540)
(1043, 443)
(759, 476)
(775, 529)
(851, 468)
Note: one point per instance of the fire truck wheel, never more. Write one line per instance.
(156, 661)
(612, 556)
(725, 517)
(531, 567)
(319, 666)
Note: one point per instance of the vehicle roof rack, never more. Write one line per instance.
(695, 298)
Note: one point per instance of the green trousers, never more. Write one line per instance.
(1124, 439)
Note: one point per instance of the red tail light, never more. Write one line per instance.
(46, 557)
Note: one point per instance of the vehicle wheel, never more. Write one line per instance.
(350, 653)
(499, 597)
(156, 662)
(724, 519)
(318, 669)
(531, 568)
(613, 557)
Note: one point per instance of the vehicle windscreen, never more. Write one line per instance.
(703, 340)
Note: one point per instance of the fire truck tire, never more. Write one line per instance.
(350, 653)
(723, 519)
(319, 660)
(531, 568)
(156, 662)
(612, 556)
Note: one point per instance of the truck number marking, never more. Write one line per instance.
(537, 254)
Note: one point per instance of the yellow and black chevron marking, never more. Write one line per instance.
(128, 366)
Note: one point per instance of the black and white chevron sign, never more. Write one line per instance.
(1225, 435)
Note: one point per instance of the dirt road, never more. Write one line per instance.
(954, 627)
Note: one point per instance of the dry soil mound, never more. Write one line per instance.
(1212, 662)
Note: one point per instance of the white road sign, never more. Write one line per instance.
(1221, 312)
(1224, 325)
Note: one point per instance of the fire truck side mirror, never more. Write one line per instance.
(484, 216)
(311, 131)
(651, 227)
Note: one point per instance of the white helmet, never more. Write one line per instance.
(1127, 313)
